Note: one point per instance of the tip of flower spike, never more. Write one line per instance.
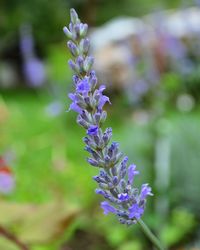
(74, 16)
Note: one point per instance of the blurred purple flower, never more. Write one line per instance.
(54, 108)
(7, 183)
(33, 67)
(34, 72)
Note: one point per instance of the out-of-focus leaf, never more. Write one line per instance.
(38, 223)
(135, 245)
(7, 245)
(182, 223)
(14, 213)
(49, 222)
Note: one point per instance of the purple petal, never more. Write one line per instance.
(135, 211)
(131, 173)
(72, 96)
(100, 191)
(102, 88)
(145, 191)
(102, 101)
(92, 162)
(75, 107)
(83, 86)
(93, 130)
(107, 207)
(123, 196)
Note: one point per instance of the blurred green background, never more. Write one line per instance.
(152, 72)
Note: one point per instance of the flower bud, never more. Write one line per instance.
(84, 45)
(82, 122)
(88, 63)
(115, 180)
(83, 29)
(73, 48)
(67, 32)
(74, 16)
(80, 62)
(92, 162)
(73, 66)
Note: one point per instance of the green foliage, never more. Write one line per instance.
(181, 223)
(56, 65)
(6, 244)
(135, 245)
(45, 16)
(185, 160)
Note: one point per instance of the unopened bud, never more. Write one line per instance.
(74, 16)
(67, 32)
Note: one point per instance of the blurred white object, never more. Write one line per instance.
(132, 54)
(183, 23)
(116, 30)
(185, 103)
(112, 46)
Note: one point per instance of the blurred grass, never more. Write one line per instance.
(43, 165)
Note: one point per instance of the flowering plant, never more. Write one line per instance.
(115, 177)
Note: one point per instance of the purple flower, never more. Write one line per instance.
(75, 107)
(103, 99)
(131, 173)
(135, 211)
(123, 196)
(145, 191)
(76, 103)
(115, 178)
(93, 130)
(83, 86)
(107, 207)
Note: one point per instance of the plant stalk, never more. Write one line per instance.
(8, 235)
(150, 235)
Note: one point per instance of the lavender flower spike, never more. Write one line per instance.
(115, 177)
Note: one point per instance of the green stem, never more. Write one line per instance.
(150, 235)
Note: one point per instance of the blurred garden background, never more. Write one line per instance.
(148, 55)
